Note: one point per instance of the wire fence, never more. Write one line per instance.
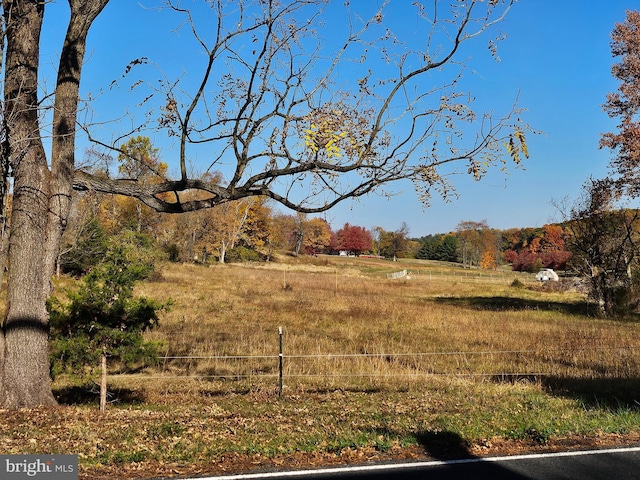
(342, 369)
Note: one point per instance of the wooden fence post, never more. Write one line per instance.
(103, 383)
(280, 365)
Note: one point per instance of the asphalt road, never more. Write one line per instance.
(619, 464)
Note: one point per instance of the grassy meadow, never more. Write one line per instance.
(443, 363)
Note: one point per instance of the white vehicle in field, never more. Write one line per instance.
(546, 275)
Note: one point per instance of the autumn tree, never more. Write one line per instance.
(260, 231)
(270, 102)
(530, 249)
(318, 235)
(604, 236)
(227, 226)
(354, 239)
(624, 104)
(285, 226)
(213, 232)
(393, 244)
(182, 235)
(471, 241)
(490, 257)
(178, 236)
(553, 250)
(300, 233)
(291, 230)
(604, 241)
(139, 162)
(412, 248)
(377, 234)
(478, 245)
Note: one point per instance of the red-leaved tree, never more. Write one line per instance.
(354, 239)
(624, 104)
(532, 249)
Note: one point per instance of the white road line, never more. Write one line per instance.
(412, 465)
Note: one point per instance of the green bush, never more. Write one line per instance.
(242, 254)
(173, 252)
(87, 251)
(102, 316)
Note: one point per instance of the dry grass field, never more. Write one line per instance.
(345, 325)
(443, 363)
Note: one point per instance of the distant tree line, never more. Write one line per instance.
(475, 244)
(251, 229)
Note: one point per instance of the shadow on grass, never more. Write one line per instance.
(610, 393)
(451, 448)
(87, 395)
(505, 304)
(443, 445)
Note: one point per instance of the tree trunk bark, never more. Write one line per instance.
(83, 13)
(24, 379)
(223, 252)
(598, 291)
(41, 197)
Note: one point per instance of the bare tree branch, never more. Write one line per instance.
(267, 81)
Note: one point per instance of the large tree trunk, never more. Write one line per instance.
(83, 13)
(41, 197)
(25, 380)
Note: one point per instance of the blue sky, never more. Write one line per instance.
(557, 56)
(556, 59)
